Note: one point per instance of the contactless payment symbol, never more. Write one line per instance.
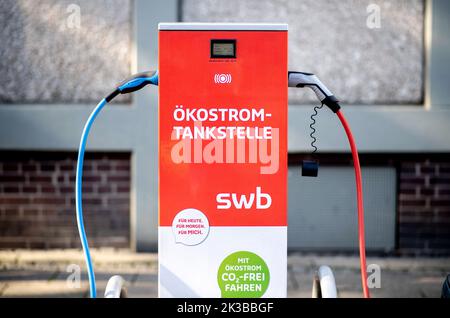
(222, 78)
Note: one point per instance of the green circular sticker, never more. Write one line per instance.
(243, 275)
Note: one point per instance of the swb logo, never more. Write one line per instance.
(222, 78)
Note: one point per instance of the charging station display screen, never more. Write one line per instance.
(223, 48)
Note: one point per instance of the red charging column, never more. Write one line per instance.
(222, 160)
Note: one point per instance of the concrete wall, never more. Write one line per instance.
(340, 41)
(63, 51)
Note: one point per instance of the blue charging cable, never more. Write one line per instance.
(131, 84)
(78, 197)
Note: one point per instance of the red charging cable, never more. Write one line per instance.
(359, 198)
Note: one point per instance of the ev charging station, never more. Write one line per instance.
(222, 160)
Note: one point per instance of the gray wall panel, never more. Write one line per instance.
(323, 215)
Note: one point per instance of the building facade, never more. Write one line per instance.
(387, 61)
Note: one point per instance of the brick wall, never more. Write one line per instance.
(37, 200)
(424, 206)
(37, 208)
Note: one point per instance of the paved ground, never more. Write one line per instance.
(44, 274)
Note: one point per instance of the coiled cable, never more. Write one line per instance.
(313, 130)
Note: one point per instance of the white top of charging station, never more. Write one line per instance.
(224, 26)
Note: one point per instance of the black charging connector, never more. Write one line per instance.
(310, 168)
